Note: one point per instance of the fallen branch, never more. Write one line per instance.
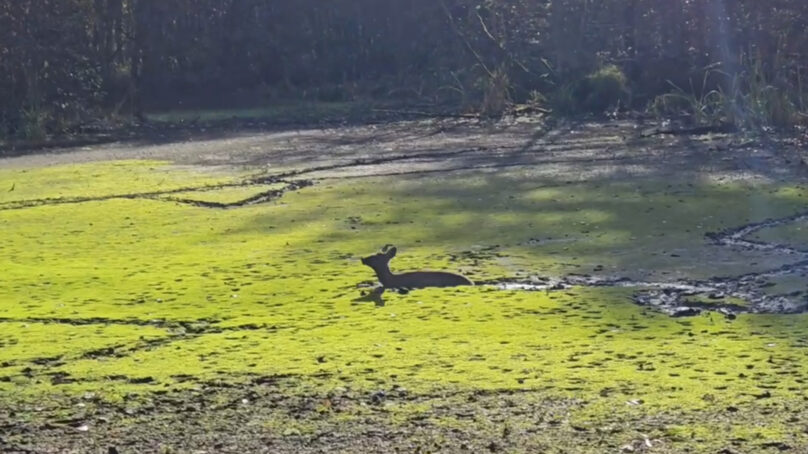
(426, 114)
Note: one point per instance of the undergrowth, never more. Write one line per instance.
(749, 99)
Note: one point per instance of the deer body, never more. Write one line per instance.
(415, 279)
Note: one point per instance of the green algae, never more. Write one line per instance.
(794, 234)
(31, 344)
(587, 344)
(104, 179)
(232, 195)
(270, 290)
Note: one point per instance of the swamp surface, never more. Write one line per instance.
(638, 290)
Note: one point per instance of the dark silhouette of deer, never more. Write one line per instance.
(414, 279)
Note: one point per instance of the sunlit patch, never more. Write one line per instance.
(31, 351)
(225, 196)
(270, 289)
(104, 179)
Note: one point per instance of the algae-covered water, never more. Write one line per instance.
(115, 283)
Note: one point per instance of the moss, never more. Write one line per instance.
(230, 195)
(103, 179)
(271, 290)
(22, 343)
(794, 234)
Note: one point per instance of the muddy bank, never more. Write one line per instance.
(258, 416)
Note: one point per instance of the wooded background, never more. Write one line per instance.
(63, 62)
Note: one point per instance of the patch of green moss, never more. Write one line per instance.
(225, 195)
(794, 234)
(23, 342)
(104, 179)
(30, 350)
(271, 289)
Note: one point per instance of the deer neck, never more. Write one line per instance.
(386, 277)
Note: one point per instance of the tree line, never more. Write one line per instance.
(63, 62)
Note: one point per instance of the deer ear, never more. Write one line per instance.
(392, 252)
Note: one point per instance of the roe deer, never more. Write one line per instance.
(415, 279)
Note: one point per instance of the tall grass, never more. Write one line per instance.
(34, 123)
(496, 94)
(750, 98)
